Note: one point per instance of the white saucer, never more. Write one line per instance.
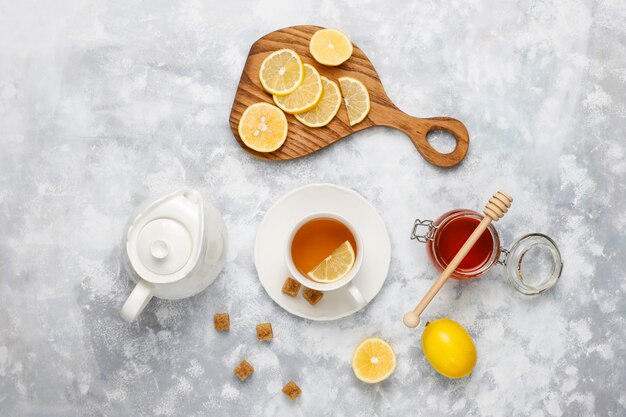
(273, 232)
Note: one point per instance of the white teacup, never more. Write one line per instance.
(343, 282)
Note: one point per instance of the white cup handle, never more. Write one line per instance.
(137, 300)
(356, 294)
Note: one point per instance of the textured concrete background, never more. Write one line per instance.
(103, 104)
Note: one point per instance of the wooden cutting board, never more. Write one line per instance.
(303, 140)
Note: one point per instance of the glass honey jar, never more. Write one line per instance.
(533, 263)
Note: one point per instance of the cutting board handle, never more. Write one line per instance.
(417, 129)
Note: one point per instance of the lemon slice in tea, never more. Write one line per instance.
(336, 266)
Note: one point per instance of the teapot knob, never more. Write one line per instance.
(159, 249)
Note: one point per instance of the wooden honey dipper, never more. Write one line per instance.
(495, 209)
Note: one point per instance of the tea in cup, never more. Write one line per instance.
(325, 252)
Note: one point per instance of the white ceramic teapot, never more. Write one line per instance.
(174, 247)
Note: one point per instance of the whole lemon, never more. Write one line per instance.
(449, 348)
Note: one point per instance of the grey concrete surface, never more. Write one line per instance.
(106, 103)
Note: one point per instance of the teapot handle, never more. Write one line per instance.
(137, 300)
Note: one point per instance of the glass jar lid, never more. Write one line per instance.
(533, 264)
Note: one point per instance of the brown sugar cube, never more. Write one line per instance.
(291, 287)
(244, 370)
(312, 296)
(264, 331)
(291, 390)
(221, 321)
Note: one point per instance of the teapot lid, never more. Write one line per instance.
(164, 245)
(165, 238)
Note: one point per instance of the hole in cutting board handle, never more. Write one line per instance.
(441, 140)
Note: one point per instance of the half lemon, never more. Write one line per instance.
(374, 360)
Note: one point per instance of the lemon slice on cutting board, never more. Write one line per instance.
(336, 265)
(373, 361)
(263, 127)
(330, 47)
(356, 99)
(281, 72)
(306, 96)
(326, 108)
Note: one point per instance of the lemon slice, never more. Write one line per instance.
(263, 127)
(373, 360)
(356, 98)
(326, 108)
(306, 96)
(281, 72)
(330, 47)
(335, 266)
